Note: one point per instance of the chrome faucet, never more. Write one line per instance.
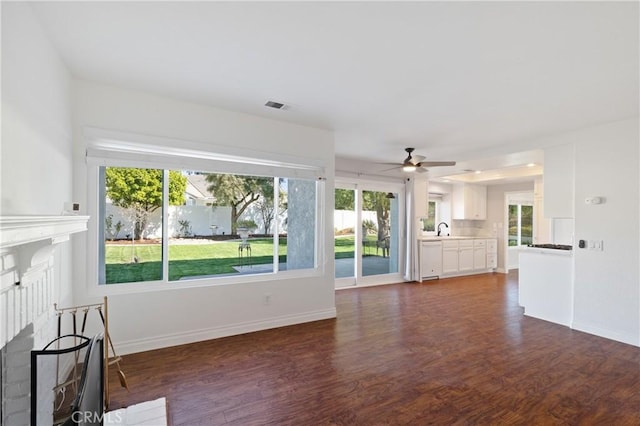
(441, 223)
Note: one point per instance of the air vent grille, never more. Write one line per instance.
(273, 104)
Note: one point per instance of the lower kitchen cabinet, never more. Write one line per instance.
(479, 254)
(451, 257)
(465, 256)
(492, 253)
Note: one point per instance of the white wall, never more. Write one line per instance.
(607, 283)
(149, 320)
(36, 123)
(36, 150)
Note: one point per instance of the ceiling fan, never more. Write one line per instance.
(416, 163)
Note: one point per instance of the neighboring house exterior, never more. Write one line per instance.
(197, 193)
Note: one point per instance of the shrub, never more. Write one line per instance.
(249, 224)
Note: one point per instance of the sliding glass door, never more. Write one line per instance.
(520, 218)
(345, 225)
(368, 223)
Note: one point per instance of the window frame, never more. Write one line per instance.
(437, 201)
(518, 235)
(189, 159)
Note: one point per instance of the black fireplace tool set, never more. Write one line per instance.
(110, 357)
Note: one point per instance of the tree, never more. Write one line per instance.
(140, 191)
(345, 199)
(378, 201)
(371, 201)
(238, 192)
(267, 209)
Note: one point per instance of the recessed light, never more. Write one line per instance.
(478, 172)
(274, 104)
(531, 165)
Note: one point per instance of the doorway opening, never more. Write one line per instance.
(519, 215)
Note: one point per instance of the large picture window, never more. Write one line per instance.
(178, 225)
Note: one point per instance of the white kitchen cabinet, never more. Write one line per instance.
(492, 253)
(492, 260)
(559, 181)
(449, 257)
(465, 256)
(457, 256)
(431, 259)
(479, 254)
(469, 201)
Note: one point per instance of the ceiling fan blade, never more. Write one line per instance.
(392, 168)
(437, 163)
(422, 169)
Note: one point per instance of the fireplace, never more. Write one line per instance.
(27, 295)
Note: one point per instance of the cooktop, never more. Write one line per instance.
(552, 246)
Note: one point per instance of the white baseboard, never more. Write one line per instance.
(167, 340)
(606, 333)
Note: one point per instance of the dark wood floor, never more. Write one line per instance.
(454, 351)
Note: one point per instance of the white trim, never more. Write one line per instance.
(155, 286)
(18, 230)
(94, 288)
(106, 147)
(596, 330)
(360, 185)
(375, 280)
(174, 339)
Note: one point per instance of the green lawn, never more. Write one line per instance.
(190, 260)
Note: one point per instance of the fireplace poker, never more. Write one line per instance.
(61, 389)
(77, 354)
(84, 320)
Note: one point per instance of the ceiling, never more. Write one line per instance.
(474, 82)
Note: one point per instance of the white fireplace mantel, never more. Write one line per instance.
(18, 230)
(26, 268)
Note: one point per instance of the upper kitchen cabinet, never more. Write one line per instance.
(559, 181)
(469, 201)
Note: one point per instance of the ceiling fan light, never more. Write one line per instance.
(408, 168)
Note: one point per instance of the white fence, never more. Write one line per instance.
(345, 219)
(206, 220)
(202, 220)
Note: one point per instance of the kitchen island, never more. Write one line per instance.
(545, 281)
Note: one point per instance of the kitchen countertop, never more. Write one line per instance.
(540, 250)
(445, 238)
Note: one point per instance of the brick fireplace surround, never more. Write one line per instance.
(27, 295)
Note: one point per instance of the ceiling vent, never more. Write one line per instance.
(276, 105)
